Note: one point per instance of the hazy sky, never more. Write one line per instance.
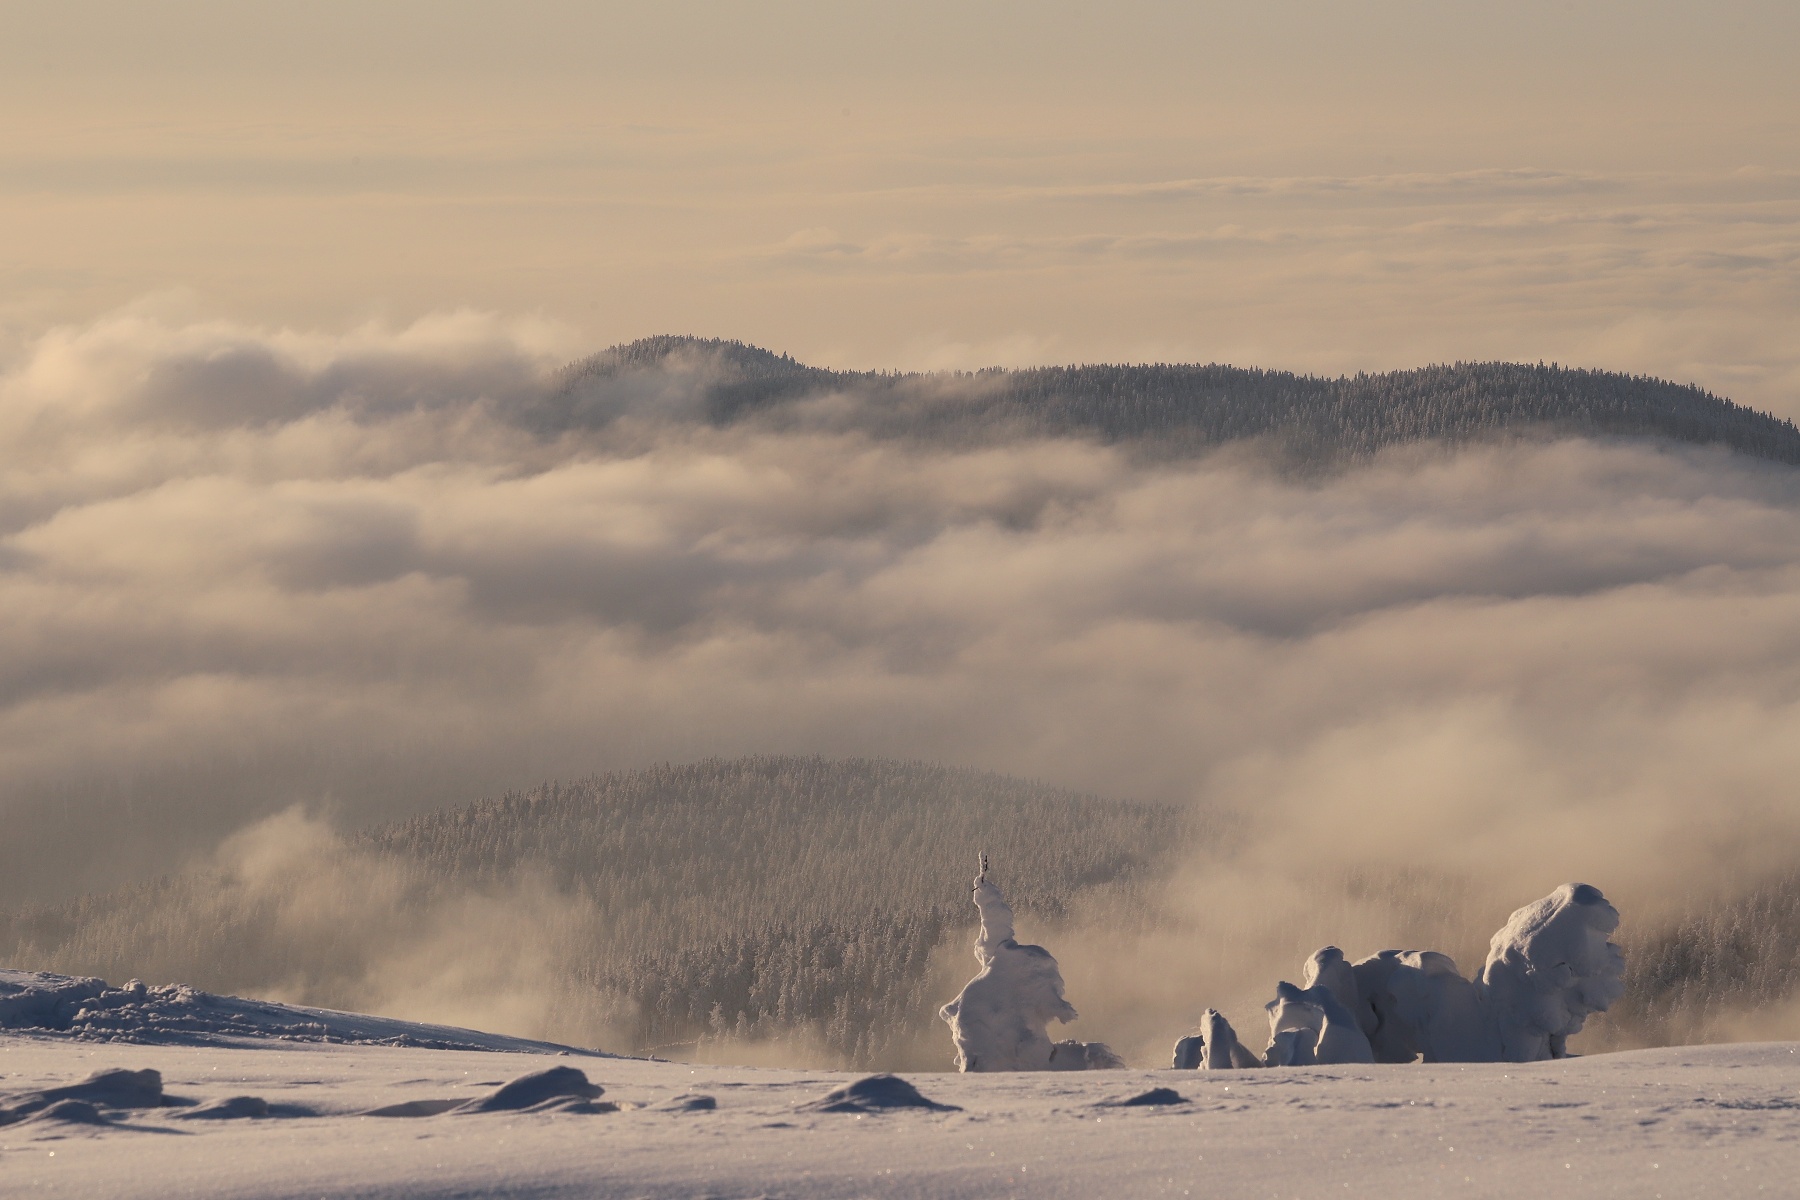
(1324, 186)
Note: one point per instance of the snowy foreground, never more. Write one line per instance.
(1713, 1120)
(134, 1091)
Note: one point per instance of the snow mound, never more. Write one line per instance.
(558, 1089)
(69, 1112)
(231, 1108)
(690, 1102)
(82, 1102)
(557, 1083)
(875, 1093)
(1154, 1098)
(94, 1010)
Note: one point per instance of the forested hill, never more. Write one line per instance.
(823, 902)
(726, 844)
(750, 899)
(1177, 407)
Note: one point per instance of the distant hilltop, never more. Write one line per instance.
(1170, 408)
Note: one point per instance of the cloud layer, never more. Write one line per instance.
(244, 570)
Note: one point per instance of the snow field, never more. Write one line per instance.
(1711, 1120)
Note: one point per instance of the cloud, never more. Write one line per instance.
(1429, 688)
(1486, 183)
(315, 919)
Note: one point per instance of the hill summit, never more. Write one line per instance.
(1175, 408)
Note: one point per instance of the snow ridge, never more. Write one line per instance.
(88, 1009)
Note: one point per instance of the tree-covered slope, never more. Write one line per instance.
(818, 903)
(765, 897)
(1180, 408)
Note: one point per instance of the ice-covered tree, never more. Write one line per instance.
(1548, 969)
(999, 1020)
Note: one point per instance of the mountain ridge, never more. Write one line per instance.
(1184, 408)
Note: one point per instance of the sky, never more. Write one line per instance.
(1314, 186)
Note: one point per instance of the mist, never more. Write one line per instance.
(247, 569)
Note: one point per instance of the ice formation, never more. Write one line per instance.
(1547, 970)
(998, 1020)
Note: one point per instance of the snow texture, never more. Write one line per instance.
(1697, 1121)
(560, 1089)
(999, 1020)
(94, 1010)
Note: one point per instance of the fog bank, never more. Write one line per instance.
(245, 569)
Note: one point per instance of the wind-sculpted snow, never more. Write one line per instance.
(91, 1010)
(558, 1089)
(109, 1097)
(114, 1089)
(876, 1094)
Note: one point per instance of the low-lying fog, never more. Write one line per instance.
(244, 570)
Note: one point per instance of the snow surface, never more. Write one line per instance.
(249, 1100)
(1714, 1120)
